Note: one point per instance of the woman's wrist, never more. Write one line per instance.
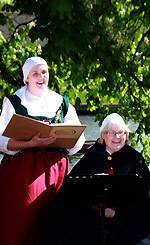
(16, 145)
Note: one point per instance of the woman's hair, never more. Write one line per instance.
(109, 122)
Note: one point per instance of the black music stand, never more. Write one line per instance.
(104, 189)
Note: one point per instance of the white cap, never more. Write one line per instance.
(114, 118)
(29, 63)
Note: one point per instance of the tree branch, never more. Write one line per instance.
(6, 75)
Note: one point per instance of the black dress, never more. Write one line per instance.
(82, 224)
(97, 160)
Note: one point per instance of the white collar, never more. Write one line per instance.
(50, 98)
(108, 152)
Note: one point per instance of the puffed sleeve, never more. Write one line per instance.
(6, 114)
(72, 118)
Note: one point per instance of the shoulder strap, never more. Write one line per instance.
(65, 105)
(16, 102)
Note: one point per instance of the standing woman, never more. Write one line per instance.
(30, 173)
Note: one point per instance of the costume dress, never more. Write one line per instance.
(83, 223)
(30, 178)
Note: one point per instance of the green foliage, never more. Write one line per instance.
(14, 50)
(98, 52)
(3, 2)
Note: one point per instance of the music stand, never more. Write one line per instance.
(106, 190)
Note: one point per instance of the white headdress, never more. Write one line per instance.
(29, 63)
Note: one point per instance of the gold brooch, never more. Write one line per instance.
(109, 158)
(58, 117)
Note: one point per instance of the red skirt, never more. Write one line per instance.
(28, 184)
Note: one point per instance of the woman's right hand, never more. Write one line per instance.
(110, 212)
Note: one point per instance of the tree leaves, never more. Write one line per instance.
(98, 53)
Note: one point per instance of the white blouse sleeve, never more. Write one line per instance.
(6, 114)
(72, 118)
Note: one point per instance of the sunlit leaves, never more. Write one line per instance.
(98, 53)
(15, 47)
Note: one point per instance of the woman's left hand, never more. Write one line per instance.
(109, 212)
(37, 141)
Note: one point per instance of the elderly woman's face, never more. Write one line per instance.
(114, 138)
(38, 79)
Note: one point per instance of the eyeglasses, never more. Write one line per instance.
(112, 134)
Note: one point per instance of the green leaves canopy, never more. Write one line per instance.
(98, 52)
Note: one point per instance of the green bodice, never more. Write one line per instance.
(58, 118)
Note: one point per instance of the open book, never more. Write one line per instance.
(24, 128)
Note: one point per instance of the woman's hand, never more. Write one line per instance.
(109, 212)
(36, 141)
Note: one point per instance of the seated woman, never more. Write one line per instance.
(125, 224)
